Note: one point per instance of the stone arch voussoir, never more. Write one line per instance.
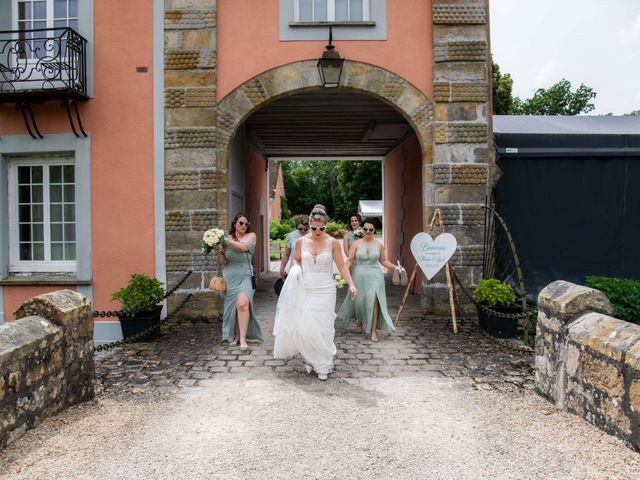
(302, 76)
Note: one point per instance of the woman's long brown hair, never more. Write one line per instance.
(232, 230)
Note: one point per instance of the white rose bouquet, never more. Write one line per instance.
(340, 282)
(212, 239)
(358, 232)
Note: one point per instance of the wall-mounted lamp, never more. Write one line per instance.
(330, 65)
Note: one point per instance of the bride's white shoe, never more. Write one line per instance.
(308, 368)
(322, 376)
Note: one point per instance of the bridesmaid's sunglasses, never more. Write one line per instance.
(303, 229)
(243, 224)
(322, 229)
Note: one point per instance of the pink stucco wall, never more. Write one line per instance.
(248, 44)
(256, 191)
(119, 119)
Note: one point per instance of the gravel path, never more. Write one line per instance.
(292, 426)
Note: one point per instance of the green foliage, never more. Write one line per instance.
(558, 99)
(494, 293)
(336, 185)
(284, 206)
(624, 295)
(336, 229)
(502, 86)
(356, 181)
(141, 291)
(307, 183)
(278, 230)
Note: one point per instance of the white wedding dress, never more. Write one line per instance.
(305, 314)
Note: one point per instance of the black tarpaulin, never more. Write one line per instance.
(569, 196)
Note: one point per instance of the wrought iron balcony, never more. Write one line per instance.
(43, 64)
(40, 65)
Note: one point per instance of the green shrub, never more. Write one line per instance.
(336, 229)
(494, 293)
(141, 291)
(624, 295)
(278, 230)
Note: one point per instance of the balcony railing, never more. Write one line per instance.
(43, 64)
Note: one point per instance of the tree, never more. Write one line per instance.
(635, 113)
(307, 183)
(558, 99)
(356, 181)
(502, 86)
(337, 185)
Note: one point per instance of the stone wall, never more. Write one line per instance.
(587, 361)
(46, 361)
(196, 190)
(460, 175)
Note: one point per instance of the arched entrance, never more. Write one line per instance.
(300, 79)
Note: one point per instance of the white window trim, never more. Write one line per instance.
(331, 11)
(21, 266)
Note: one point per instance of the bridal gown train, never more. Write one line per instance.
(305, 314)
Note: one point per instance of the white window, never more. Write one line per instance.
(32, 14)
(42, 214)
(331, 10)
(38, 14)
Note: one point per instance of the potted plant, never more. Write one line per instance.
(499, 297)
(140, 301)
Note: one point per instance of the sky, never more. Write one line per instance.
(595, 42)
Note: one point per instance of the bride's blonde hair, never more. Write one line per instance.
(318, 214)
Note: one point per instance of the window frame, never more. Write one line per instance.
(37, 266)
(331, 13)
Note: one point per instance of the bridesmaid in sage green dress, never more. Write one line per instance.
(367, 254)
(354, 222)
(239, 324)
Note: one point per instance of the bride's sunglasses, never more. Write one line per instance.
(322, 229)
(243, 224)
(368, 229)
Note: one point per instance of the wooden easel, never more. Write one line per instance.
(447, 268)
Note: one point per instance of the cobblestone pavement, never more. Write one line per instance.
(190, 353)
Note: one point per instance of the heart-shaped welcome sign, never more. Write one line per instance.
(432, 254)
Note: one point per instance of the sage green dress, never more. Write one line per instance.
(352, 237)
(369, 281)
(237, 277)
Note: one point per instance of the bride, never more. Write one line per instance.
(305, 313)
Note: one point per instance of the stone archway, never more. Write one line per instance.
(197, 196)
(297, 77)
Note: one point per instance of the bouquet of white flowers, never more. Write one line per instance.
(212, 239)
(358, 232)
(340, 282)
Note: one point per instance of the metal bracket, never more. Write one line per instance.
(67, 104)
(25, 107)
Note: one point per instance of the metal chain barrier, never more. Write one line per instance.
(528, 314)
(144, 333)
(131, 313)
